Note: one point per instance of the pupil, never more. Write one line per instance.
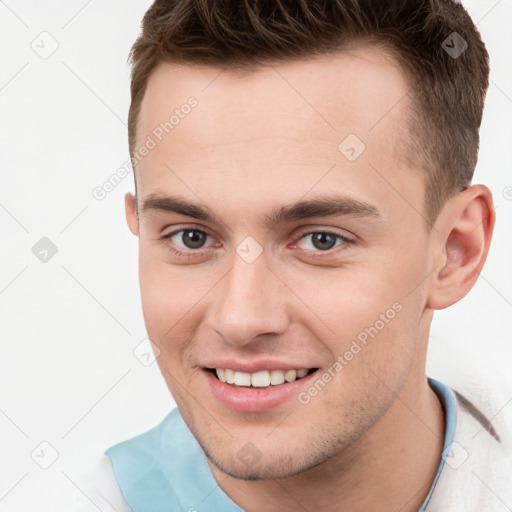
(320, 240)
(193, 239)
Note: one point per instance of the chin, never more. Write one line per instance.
(272, 462)
(267, 468)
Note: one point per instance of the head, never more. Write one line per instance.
(309, 207)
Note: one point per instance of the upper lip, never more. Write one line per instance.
(255, 366)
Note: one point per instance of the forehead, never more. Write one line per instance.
(282, 125)
(332, 92)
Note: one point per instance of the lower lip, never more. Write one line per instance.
(249, 399)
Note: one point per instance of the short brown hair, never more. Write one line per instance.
(448, 90)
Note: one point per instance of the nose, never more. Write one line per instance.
(250, 301)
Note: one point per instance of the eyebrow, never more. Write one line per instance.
(327, 206)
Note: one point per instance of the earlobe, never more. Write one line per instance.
(466, 229)
(130, 206)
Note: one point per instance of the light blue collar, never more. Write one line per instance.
(449, 402)
(165, 469)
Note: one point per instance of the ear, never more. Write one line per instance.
(132, 218)
(463, 236)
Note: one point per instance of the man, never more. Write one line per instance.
(303, 205)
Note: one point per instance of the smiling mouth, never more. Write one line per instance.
(261, 379)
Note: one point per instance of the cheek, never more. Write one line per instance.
(345, 301)
(168, 291)
(363, 314)
(166, 297)
(173, 302)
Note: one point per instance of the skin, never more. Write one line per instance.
(372, 438)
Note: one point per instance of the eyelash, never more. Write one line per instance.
(313, 254)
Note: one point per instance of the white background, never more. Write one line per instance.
(68, 327)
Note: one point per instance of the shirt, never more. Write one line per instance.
(165, 469)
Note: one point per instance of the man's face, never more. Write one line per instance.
(250, 291)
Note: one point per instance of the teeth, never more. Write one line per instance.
(230, 376)
(261, 379)
(290, 375)
(242, 379)
(276, 377)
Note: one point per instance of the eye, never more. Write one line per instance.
(190, 242)
(189, 238)
(323, 240)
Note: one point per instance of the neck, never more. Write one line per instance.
(391, 467)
